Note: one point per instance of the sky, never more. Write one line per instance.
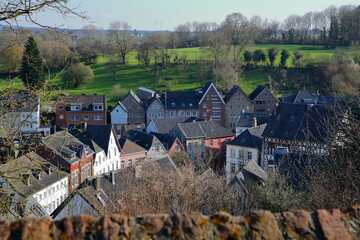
(167, 14)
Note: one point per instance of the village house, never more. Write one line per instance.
(236, 102)
(32, 176)
(164, 125)
(155, 149)
(21, 115)
(131, 153)
(103, 136)
(299, 129)
(119, 114)
(250, 120)
(264, 101)
(245, 147)
(155, 108)
(80, 108)
(171, 143)
(102, 194)
(197, 137)
(135, 108)
(68, 154)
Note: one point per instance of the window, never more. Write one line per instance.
(74, 118)
(204, 114)
(204, 105)
(157, 148)
(115, 152)
(122, 165)
(249, 155)
(241, 154)
(219, 142)
(233, 167)
(86, 117)
(214, 97)
(98, 106)
(75, 107)
(61, 116)
(216, 113)
(98, 117)
(61, 107)
(172, 114)
(75, 178)
(194, 113)
(232, 152)
(188, 113)
(130, 162)
(181, 113)
(216, 105)
(211, 143)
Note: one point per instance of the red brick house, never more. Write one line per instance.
(69, 154)
(80, 108)
(212, 105)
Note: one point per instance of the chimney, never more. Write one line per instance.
(26, 179)
(84, 126)
(95, 94)
(96, 184)
(112, 178)
(47, 168)
(254, 122)
(36, 173)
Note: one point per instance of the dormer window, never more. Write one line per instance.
(173, 104)
(75, 107)
(190, 104)
(98, 107)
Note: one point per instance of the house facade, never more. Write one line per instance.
(104, 136)
(236, 103)
(212, 105)
(245, 147)
(155, 149)
(135, 107)
(78, 109)
(69, 154)
(32, 176)
(131, 153)
(119, 114)
(155, 109)
(264, 101)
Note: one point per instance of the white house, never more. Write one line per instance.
(245, 147)
(31, 176)
(21, 113)
(102, 139)
(119, 114)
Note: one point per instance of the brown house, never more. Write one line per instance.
(135, 108)
(80, 108)
(211, 105)
(264, 101)
(236, 103)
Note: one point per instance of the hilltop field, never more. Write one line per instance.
(183, 77)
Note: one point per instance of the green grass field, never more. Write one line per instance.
(133, 76)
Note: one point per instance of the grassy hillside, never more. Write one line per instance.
(175, 77)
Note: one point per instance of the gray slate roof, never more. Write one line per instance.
(231, 93)
(256, 92)
(129, 147)
(18, 102)
(166, 139)
(250, 138)
(145, 140)
(65, 144)
(164, 125)
(134, 96)
(86, 101)
(30, 164)
(204, 129)
(100, 134)
(300, 122)
(247, 119)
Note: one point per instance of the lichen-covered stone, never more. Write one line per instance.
(332, 225)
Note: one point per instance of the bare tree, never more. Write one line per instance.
(121, 35)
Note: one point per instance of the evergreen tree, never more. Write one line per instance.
(285, 54)
(32, 73)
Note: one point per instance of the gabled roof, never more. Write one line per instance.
(164, 125)
(250, 172)
(182, 99)
(100, 134)
(206, 86)
(205, 129)
(166, 139)
(145, 140)
(134, 96)
(66, 145)
(155, 98)
(129, 147)
(256, 92)
(300, 122)
(247, 119)
(30, 165)
(231, 93)
(121, 105)
(206, 89)
(301, 96)
(86, 101)
(18, 102)
(250, 138)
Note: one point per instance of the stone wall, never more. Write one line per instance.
(320, 224)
